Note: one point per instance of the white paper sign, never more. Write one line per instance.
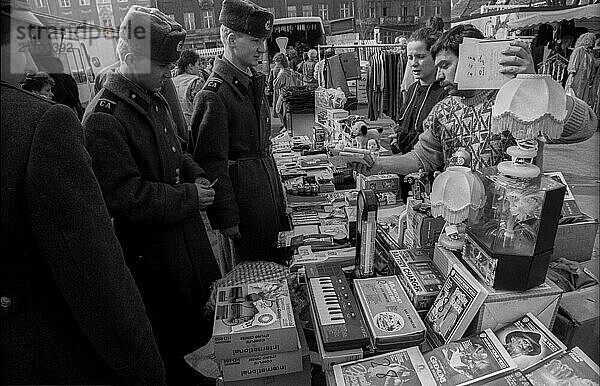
(478, 65)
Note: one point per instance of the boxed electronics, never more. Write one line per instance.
(510, 243)
(254, 318)
(301, 378)
(422, 230)
(503, 307)
(392, 320)
(262, 365)
(379, 183)
(419, 277)
(575, 240)
(444, 259)
(335, 114)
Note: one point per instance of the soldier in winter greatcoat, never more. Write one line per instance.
(154, 191)
(232, 129)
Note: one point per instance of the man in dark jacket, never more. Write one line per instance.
(154, 191)
(70, 312)
(232, 127)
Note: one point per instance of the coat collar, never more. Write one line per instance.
(138, 97)
(239, 81)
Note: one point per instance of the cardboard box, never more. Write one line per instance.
(577, 320)
(379, 183)
(419, 277)
(444, 259)
(254, 318)
(259, 366)
(503, 307)
(302, 378)
(575, 241)
(422, 231)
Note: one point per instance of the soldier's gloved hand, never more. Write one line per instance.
(206, 195)
(232, 232)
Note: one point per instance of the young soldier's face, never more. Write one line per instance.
(248, 49)
(151, 74)
(446, 63)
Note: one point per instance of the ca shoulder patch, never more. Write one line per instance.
(213, 84)
(106, 103)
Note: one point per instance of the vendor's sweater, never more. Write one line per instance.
(465, 122)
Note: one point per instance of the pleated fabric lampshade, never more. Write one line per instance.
(530, 105)
(456, 194)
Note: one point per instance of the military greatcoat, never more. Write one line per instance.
(232, 129)
(148, 186)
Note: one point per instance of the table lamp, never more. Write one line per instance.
(456, 195)
(528, 106)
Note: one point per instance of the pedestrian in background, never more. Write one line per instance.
(39, 83)
(581, 67)
(232, 126)
(154, 190)
(71, 312)
(189, 82)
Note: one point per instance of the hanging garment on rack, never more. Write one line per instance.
(383, 84)
(555, 66)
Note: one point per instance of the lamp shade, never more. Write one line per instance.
(530, 105)
(456, 194)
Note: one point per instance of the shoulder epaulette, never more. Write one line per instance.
(107, 102)
(213, 83)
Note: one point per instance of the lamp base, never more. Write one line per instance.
(453, 244)
(509, 168)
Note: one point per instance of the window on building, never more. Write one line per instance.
(84, 2)
(189, 21)
(40, 3)
(291, 11)
(108, 22)
(421, 11)
(324, 11)
(102, 1)
(208, 19)
(345, 10)
(371, 10)
(64, 3)
(438, 10)
(122, 1)
(307, 10)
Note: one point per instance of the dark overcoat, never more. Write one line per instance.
(148, 184)
(232, 128)
(70, 312)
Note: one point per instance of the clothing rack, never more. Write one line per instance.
(556, 66)
(372, 48)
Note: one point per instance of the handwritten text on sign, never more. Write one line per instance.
(478, 66)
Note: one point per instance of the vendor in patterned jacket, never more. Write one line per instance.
(463, 119)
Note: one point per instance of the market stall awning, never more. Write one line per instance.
(587, 14)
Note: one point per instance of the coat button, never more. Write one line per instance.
(5, 302)
(165, 130)
(133, 96)
(156, 108)
(173, 148)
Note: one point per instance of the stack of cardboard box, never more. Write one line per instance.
(255, 333)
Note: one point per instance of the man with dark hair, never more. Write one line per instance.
(188, 82)
(154, 190)
(463, 120)
(71, 312)
(232, 126)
